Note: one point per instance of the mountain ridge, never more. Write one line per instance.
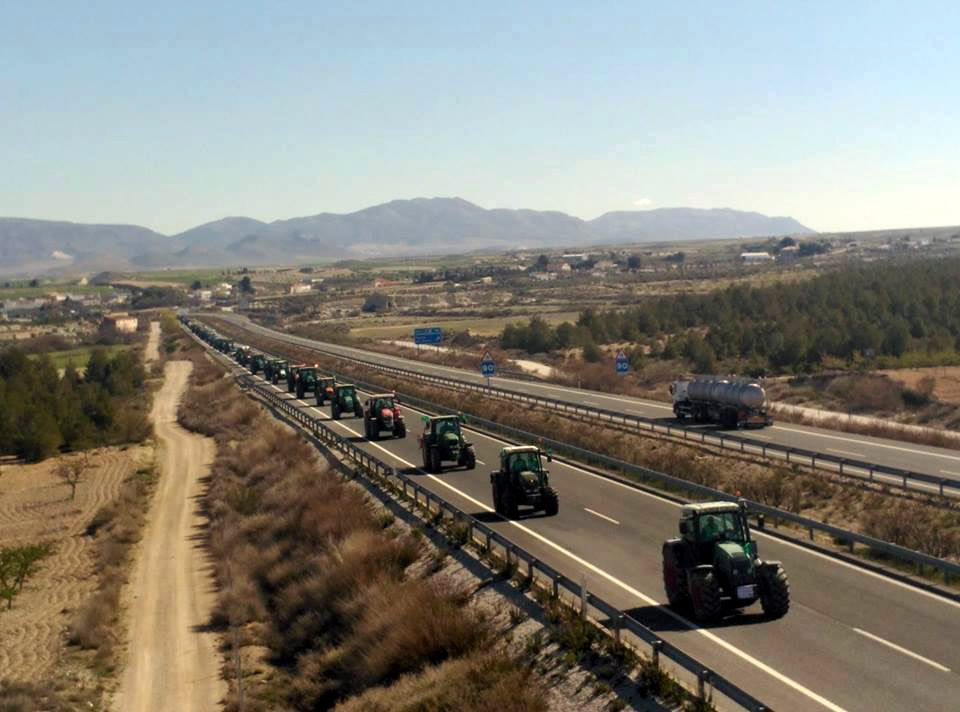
(414, 226)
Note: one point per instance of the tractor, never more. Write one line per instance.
(275, 369)
(381, 412)
(521, 480)
(714, 565)
(442, 440)
(305, 380)
(242, 355)
(325, 387)
(292, 375)
(257, 363)
(345, 400)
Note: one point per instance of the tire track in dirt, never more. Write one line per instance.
(170, 663)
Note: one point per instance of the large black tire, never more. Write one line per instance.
(674, 579)
(436, 464)
(497, 507)
(358, 410)
(551, 504)
(705, 595)
(300, 390)
(469, 459)
(510, 508)
(774, 591)
(335, 410)
(400, 430)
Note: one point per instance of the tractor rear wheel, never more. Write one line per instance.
(496, 499)
(509, 499)
(774, 591)
(705, 595)
(335, 411)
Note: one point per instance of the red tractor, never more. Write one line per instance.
(381, 412)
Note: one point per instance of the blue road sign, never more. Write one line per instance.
(623, 363)
(487, 366)
(429, 335)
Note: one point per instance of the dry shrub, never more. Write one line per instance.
(478, 683)
(90, 628)
(867, 393)
(913, 525)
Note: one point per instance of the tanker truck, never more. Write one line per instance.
(729, 402)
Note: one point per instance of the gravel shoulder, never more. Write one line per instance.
(171, 662)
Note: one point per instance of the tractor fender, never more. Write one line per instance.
(767, 564)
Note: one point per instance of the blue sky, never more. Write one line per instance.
(843, 115)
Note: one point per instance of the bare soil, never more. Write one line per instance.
(171, 661)
(35, 506)
(946, 380)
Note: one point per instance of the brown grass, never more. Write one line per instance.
(307, 569)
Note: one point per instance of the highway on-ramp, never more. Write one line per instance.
(853, 640)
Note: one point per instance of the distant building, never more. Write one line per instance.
(557, 267)
(789, 253)
(379, 303)
(301, 288)
(575, 257)
(543, 276)
(485, 280)
(119, 323)
(755, 257)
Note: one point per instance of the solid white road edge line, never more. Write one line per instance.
(743, 655)
(602, 516)
(899, 649)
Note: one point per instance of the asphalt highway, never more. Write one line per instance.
(853, 640)
(938, 462)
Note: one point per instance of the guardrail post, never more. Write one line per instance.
(617, 625)
(530, 564)
(655, 652)
(788, 456)
(488, 542)
(904, 480)
(811, 533)
(703, 677)
(870, 472)
(942, 483)
(556, 586)
(583, 596)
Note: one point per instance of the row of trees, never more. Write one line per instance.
(886, 311)
(41, 413)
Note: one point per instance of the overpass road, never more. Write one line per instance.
(934, 461)
(853, 640)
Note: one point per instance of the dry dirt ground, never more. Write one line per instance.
(171, 662)
(152, 352)
(35, 506)
(946, 380)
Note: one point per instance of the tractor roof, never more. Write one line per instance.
(345, 385)
(381, 395)
(691, 510)
(518, 448)
(444, 417)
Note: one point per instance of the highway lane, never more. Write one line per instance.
(815, 658)
(939, 462)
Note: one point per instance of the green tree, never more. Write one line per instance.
(246, 286)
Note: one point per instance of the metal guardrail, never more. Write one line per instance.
(614, 621)
(862, 469)
(920, 560)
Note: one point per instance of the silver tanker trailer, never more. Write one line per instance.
(730, 402)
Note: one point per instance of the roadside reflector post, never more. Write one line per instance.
(556, 587)
(583, 595)
(617, 625)
(702, 680)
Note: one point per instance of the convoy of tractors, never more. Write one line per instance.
(712, 568)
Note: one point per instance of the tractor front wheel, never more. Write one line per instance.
(774, 591)
(705, 595)
(470, 459)
(551, 504)
(335, 411)
(400, 430)
(674, 580)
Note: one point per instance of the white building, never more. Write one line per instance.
(301, 288)
(755, 257)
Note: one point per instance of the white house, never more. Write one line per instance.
(755, 257)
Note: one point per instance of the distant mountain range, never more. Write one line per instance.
(400, 227)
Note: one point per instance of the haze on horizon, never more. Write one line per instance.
(169, 116)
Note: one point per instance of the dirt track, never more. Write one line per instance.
(169, 664)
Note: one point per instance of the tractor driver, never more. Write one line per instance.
(523, 461)
(709, 527)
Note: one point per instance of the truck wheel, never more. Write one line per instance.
(774, 591)
(705, 595)
(551, 504)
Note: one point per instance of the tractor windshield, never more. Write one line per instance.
(525, 462)
(448, 426)
(722, 526)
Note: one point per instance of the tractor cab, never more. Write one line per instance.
(714, 565)
(325, 388)
(442, 439)
(257, 362)
(522, 480)
(344, 400)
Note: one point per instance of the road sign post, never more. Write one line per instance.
(487, 367)
(622, 363)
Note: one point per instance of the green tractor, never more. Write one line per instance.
(714, 565)
(382, 412)
(442, 439)
(256, 363)
(521, 480)
(345, 400)
(275, 369)
(305, 380)
(242, 355)
(325, 388)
